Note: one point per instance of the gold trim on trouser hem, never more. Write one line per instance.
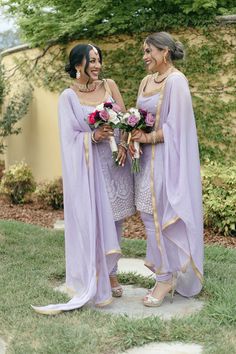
(86, 147)
(170, 222)
(148, 264)
(112, 252)
(104, 303)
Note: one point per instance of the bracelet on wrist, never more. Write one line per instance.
(93, 138)
(123, 144)
(155, 139)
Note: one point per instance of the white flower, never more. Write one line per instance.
(113, 117)
(134, 111)
(100, 107)
(124, 118)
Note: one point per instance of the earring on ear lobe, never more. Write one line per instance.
(164, 59)
(77, 75)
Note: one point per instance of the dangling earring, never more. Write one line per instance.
(77, 75)
(164, 59)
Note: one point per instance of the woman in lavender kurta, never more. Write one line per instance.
(97, 194)
(168, 189)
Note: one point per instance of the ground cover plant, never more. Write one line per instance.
(32, 263)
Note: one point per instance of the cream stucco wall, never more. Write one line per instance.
(38, 143)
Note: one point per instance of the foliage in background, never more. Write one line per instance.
(51, 194)
(15, 110)
(210, 67)
(18, 183)
(2, 87)
(91, 18)
(219, 197)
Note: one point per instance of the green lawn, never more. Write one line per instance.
(32, 263)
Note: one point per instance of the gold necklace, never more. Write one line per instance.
(160, 78)
(86, 87)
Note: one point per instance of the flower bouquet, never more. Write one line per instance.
(136, 119)
(107, 113)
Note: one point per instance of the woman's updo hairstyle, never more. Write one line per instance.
(76, 56)
(161, 40)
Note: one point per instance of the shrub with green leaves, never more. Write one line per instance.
(18, 183)
(219, 197)
(51, 194)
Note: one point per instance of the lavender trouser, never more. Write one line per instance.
(148, 221)
(119, 233)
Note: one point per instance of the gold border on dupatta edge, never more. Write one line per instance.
(190, 261)
(113, 252)
(196, 271)
(47, 312)
(170, 222)
(154, 205)
(104, 303)
(86, 147)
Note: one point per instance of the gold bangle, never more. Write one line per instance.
(93, 138)
(123, 144)
(155, 138)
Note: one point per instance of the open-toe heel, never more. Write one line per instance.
(151, 301)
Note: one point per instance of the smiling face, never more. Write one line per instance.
(93, 69)
(153, 57)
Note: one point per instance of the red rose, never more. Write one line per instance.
(91, 118)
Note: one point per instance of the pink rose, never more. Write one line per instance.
(149, 120)
(104, 115)
(132, 120)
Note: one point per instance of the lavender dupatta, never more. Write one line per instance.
(177, 193)
(91, 244)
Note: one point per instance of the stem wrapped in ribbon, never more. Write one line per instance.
(136, 119)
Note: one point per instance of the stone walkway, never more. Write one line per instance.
(167, 348)
(131, 302)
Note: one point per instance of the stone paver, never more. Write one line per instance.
(134, 265)
(131, 304)
(2, 346)
(59, 225)
(167, 348)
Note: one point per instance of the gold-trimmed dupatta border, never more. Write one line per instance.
(105, 303)
(170, 222)
(189, 261)
(86, 147)
(113, 252)
(196, 271)
(154, 204)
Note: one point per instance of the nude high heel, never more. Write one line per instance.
(151, 301)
